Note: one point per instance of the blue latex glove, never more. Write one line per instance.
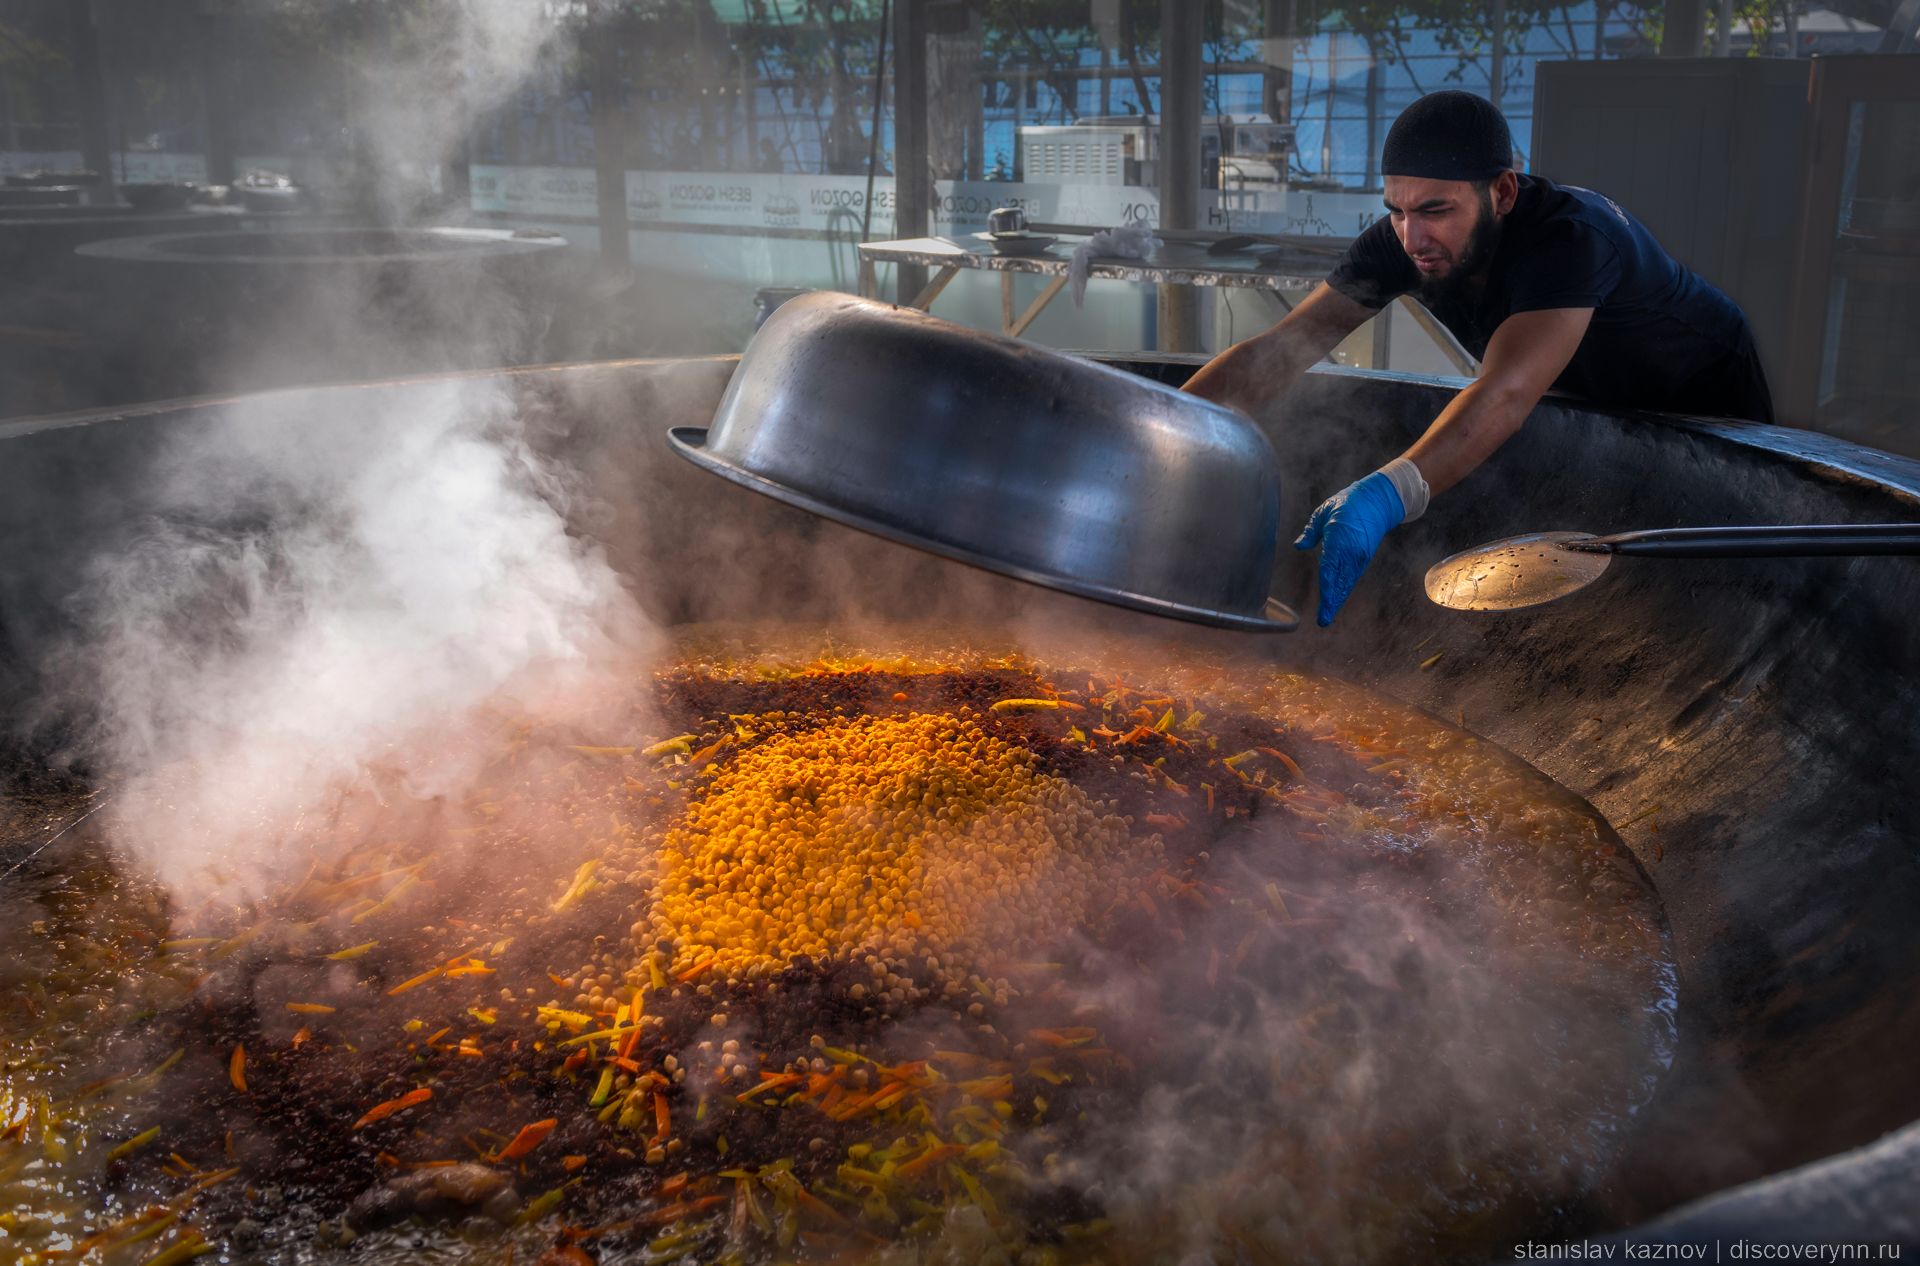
(1348, 527)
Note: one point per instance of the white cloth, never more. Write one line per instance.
(1133, 240)
(1410, 484)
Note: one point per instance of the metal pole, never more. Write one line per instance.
(1497, 57)
(1685, 25)
(90, 80)
(912, 186)
(216, 54)
(1373, 118)
(1723, 28)
(608, 104)
(1181, 88)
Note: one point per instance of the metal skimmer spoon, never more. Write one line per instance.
(1525, 571)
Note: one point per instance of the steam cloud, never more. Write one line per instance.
(312, 592)
(315, 591)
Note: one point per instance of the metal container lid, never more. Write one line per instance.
(1006, 456)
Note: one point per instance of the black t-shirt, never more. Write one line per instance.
(1660, 333)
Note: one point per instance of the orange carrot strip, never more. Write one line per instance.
(529, 1137)
(421, 979)
(237, 1069)
(632, 1039)
(571, 1163)
(660, 1115)
(932, 1156)
(1284, 759)
(1064, 1037)
(310, 1008)
(668, 1214)
(694, 970)
(380, 1112)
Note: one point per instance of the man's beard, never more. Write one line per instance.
(1481, 244)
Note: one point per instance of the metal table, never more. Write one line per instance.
(1290, 264)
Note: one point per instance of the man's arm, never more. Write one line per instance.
(1256, 370)
(1523, 358)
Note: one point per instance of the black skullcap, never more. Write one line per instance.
(1449, 135)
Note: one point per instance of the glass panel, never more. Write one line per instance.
(751, 147)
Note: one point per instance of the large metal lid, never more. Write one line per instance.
(1006, 456)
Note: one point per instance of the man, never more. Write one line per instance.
(1548, 285)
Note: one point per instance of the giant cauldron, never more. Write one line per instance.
(1749, 726)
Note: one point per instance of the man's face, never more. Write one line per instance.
(1448, 228)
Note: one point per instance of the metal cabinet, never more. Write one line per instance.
(1854, 362)
(1793, 185)
(1704, 151)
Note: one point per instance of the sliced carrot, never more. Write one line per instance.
(1284, 759)
(310, 1008)
(421, 979)
(381, 1111)
(661, 1117)
(1064, 1037)
(668, 1214)
(529, 1137)
(632, 1039)
(237, 1069)
(571, 1163)
(932, 1156)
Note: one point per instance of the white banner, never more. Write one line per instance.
(782, 200)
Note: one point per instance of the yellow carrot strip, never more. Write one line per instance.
(683, 745)
(161, 1219)
(619, 1030)
(380, 1112)
(352, 951)
(586, 750)
(387, 902)
(237, 1069)
(310, 1008)
(1034, 705)
(184, 1250)
(134, 1144)
(582, 883)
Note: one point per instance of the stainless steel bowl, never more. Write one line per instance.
(1010, 457)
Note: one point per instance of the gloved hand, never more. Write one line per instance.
(1348, 527)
